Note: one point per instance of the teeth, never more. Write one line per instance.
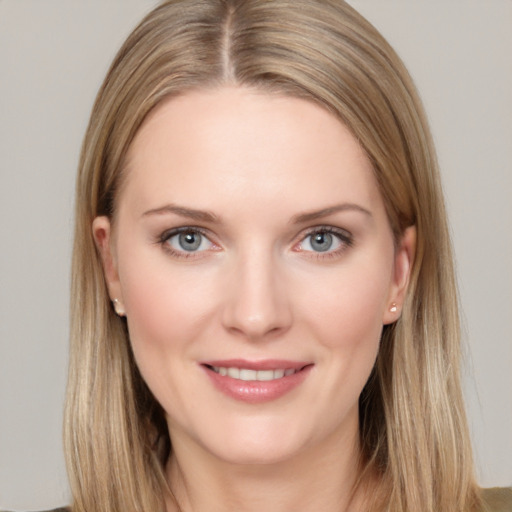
(246, 374)
(266, 375)
(234, 373)
(279, 374)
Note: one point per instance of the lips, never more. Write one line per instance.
(256, 382)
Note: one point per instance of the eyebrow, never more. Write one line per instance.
(324, 212)
(188, 213)
(206, 216)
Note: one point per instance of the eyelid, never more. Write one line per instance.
(168, 233)
(164, 237)
(346, 238)
(344, 234)
(327, 228)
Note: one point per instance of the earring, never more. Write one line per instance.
(393, 308)
(118, 307)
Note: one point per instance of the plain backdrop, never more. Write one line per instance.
(53, 56)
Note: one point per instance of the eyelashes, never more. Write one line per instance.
(186, 242)
(325, 241)
(319, 242)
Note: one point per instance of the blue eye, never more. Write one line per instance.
(325, 241)
(321, 242)
(187, 240)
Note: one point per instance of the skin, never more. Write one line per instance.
(256, 289)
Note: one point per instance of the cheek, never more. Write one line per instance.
(168, 313)
(348, 305)
(348, 323)
(345, 312)
(166, 308)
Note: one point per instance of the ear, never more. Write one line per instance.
(404, 259)
(102, 233)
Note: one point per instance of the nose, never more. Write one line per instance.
(257, 305)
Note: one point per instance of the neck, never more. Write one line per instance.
(323, 478)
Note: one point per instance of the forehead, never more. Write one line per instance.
(224, 145)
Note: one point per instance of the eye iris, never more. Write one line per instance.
(321, 242)
(190, 241)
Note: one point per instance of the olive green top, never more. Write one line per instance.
(496, 499)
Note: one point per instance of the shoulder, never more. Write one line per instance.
(497, 499)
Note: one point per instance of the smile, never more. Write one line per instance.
(247, 374)
(256, 382)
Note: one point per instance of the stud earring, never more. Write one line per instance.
(118, 307)
(393, 308)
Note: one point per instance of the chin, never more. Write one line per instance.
(258, 442)
(256, 454)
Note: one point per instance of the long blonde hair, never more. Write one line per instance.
(412, 420)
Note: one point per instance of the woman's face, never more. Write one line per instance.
(256, 265)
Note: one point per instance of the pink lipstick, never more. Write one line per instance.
(256, 381)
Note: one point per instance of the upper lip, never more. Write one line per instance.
(265, 364)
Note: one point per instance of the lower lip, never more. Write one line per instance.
(256, 392)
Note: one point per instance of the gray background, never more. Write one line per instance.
(53, 56)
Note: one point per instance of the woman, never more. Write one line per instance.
(263, 283)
